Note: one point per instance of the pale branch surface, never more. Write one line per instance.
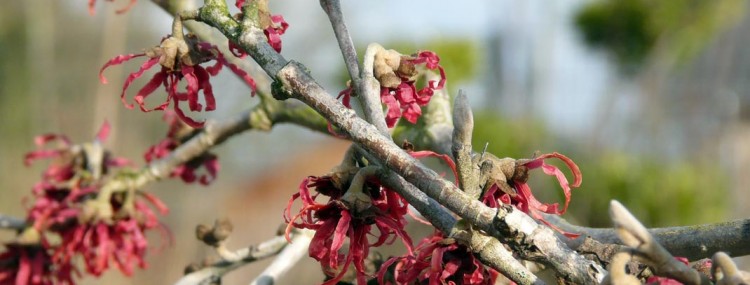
(9, 222)
(519, 230)
(364, 82)
(693, 242)
(247, 255)
(286, 259)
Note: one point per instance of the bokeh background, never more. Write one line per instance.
(649, 97)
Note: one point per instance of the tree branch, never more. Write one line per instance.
(365, 84)
(12, 223)
(692, 242)
(286, 259)
(246, 255)
(532, 241)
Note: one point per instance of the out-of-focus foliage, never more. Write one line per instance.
(658, 192)
(621, 27)
(632, 30)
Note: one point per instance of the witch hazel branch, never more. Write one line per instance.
(90, 211)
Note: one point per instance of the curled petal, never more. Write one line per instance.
(184, 118)
(127, 7)
(140, 97)
(192, 88)
(103, 133)
(239, 72)
(205, 85)
(92, 3)
(40, 154)
(115, 60)
(163, 209)
(427, 153)
(212, 167)
(44, 139)
(239, 4)
(339, 235)
(554, 171)
(135, 75)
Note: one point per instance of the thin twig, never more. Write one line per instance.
(247, 255)
(286, 259)
(11, 223)
(365, 84)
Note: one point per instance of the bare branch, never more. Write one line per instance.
(692, 242)
(364, 83)
(11, 223)
(247, 255)
(286, 259)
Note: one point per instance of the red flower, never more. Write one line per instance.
(403, 99)
(68, 203)
(123, 241)
(177, 134)
(275, 30)
(179, 59)
(336, 220)
(31, 264)
(524, 199)
(120, 11)
(437, 260)
(68, 157)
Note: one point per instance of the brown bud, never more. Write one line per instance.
(222, 229)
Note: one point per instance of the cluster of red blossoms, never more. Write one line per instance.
(399, 92)
(180, 57)
(437, 260)
(352, 214)
(94, 226)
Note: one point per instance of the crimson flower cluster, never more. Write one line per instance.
(91, 226)
(338, 219)
(524, 200)
(401, 96)
(437, 260)
(177, 134)
(180, 60)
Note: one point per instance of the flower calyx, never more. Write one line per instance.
(177, 51)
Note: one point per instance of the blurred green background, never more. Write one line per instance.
(649, 98)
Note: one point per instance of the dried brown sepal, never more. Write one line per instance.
(214, 236)
(502, 169)
(385, 64)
